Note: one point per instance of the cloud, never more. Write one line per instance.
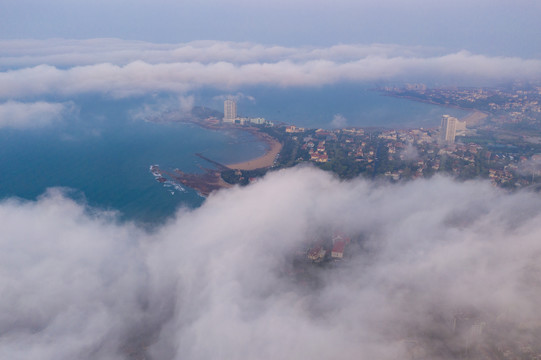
(163, 109)
(68, 287)
(186, 103)
(273, 22)
(20, 115)
(339, 121)
(237, 97)
(150, 68)
(69, 53)
(434, 267)
(410, 152)
(530, 166)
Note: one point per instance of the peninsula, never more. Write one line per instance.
(499, 140)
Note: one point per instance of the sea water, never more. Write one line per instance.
(102, 156)
(316, 107)
(102, 153)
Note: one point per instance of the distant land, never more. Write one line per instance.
(502, 143)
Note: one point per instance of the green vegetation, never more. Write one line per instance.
(241, 177)
(496, 149)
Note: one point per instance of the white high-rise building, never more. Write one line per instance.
(230, 111)
(448, 129)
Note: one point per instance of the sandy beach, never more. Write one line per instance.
(475, 118)
(267, 160)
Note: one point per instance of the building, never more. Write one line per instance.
(230, 111)
(317, 253)
(241, 120)
(294, 129)
(258, 121)
(338, 249)
(461, 128)
(339, 244)
(448, 129)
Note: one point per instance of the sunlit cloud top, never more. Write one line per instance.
(77, 284)
(124, 68)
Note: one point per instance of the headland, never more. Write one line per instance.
(501, 142)
(211, 178)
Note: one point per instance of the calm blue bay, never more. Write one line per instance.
(103, 155)
(316, 107)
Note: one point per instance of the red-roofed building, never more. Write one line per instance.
(338, 249)
(319, 157)
(339, 245)
(322, 132)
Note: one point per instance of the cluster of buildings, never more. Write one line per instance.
(411, 153)
(328, 250)
(414, 153)
(230, 116)
(318, 153)
(517, 103)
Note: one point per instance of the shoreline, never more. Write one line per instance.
(264, 161)
(476, 117)
(426, 101)
(211, 180)
(473, 116)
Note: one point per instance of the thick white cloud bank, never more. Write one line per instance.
(68, 53)
(124, 68)
(222, 282)
(19, 115)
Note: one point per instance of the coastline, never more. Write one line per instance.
(473, 118)
(425, 101)
(476, 117)
(264, 161)
(211, 180)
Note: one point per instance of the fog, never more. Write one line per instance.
(436, 269)
(119, 68)
(20, 115)
(19, 53)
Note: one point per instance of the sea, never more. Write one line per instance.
(101, 153)
(317, 107)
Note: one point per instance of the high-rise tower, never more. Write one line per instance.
(230, 111)
(448, 129)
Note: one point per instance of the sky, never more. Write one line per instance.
(495, 28)
(217, 282)
(118, 48)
